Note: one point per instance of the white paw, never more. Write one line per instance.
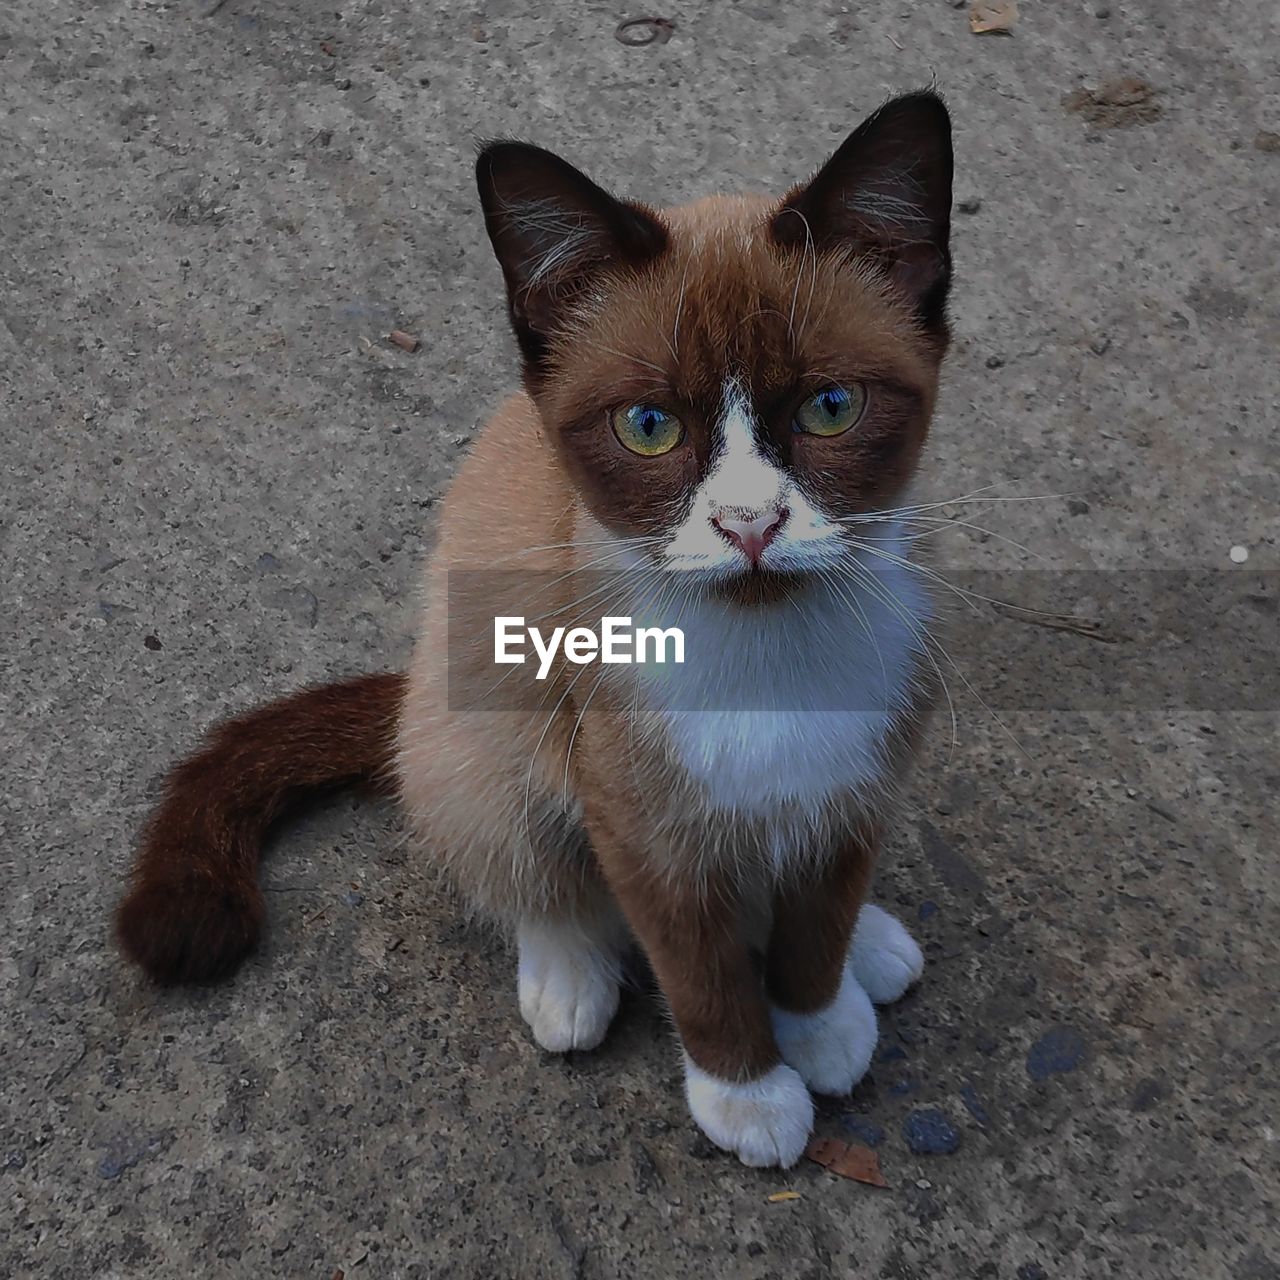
(765, 1122)
(832, 1048)
(884, 958)
(568, 987)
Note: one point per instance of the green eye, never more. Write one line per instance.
(831, 412)
(647, 430)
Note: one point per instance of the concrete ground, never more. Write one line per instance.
(218, 480)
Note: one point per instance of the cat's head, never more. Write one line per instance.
(729, 383)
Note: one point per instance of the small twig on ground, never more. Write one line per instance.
(1086, 627)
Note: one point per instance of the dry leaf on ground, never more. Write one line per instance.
(847, 1159)
(780, 1197)
(405, 341)
(988, 17)
(1116, 103)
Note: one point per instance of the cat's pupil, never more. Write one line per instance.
(833, 403)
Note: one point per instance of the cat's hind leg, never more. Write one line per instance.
(568, 977)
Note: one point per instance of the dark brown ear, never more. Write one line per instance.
(886, 192)
(554, 231)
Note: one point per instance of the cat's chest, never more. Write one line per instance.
(789, 705)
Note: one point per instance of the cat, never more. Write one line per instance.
(728, 399)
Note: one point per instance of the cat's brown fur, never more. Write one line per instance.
(194, 909)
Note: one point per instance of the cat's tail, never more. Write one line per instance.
(194, 910)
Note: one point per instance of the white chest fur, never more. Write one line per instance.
(790, 703)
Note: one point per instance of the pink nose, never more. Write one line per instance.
(751, 534)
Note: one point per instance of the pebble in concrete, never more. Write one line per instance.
(929, 1133)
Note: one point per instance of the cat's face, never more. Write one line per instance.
(730, 383)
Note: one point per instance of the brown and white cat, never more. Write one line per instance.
(729, 398)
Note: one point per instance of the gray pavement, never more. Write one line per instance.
(218, 480)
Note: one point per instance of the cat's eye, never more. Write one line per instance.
(832, 411)
(647, 430)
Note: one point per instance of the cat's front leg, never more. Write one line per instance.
(740, 1092)
(822, 1016)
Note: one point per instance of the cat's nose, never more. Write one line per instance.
(750, 532)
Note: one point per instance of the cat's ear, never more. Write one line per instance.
(553, 231)
(886, 192)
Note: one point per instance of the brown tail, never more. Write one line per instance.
(194, 910)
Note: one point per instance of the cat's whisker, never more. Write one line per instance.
(620, 549)
(919, 629)
(669, 584)
(925, 571)
(635, 541)
(978, 496)
(971, 598)
(673, 589)
(629, 356)
(806, 250)
(813, 280)
(912, 565)
(674, 343)
(937, 525)
(748, 316)
(654, 575)
(577, 725)
(829, 575)
(537, 746)
(574, 607)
